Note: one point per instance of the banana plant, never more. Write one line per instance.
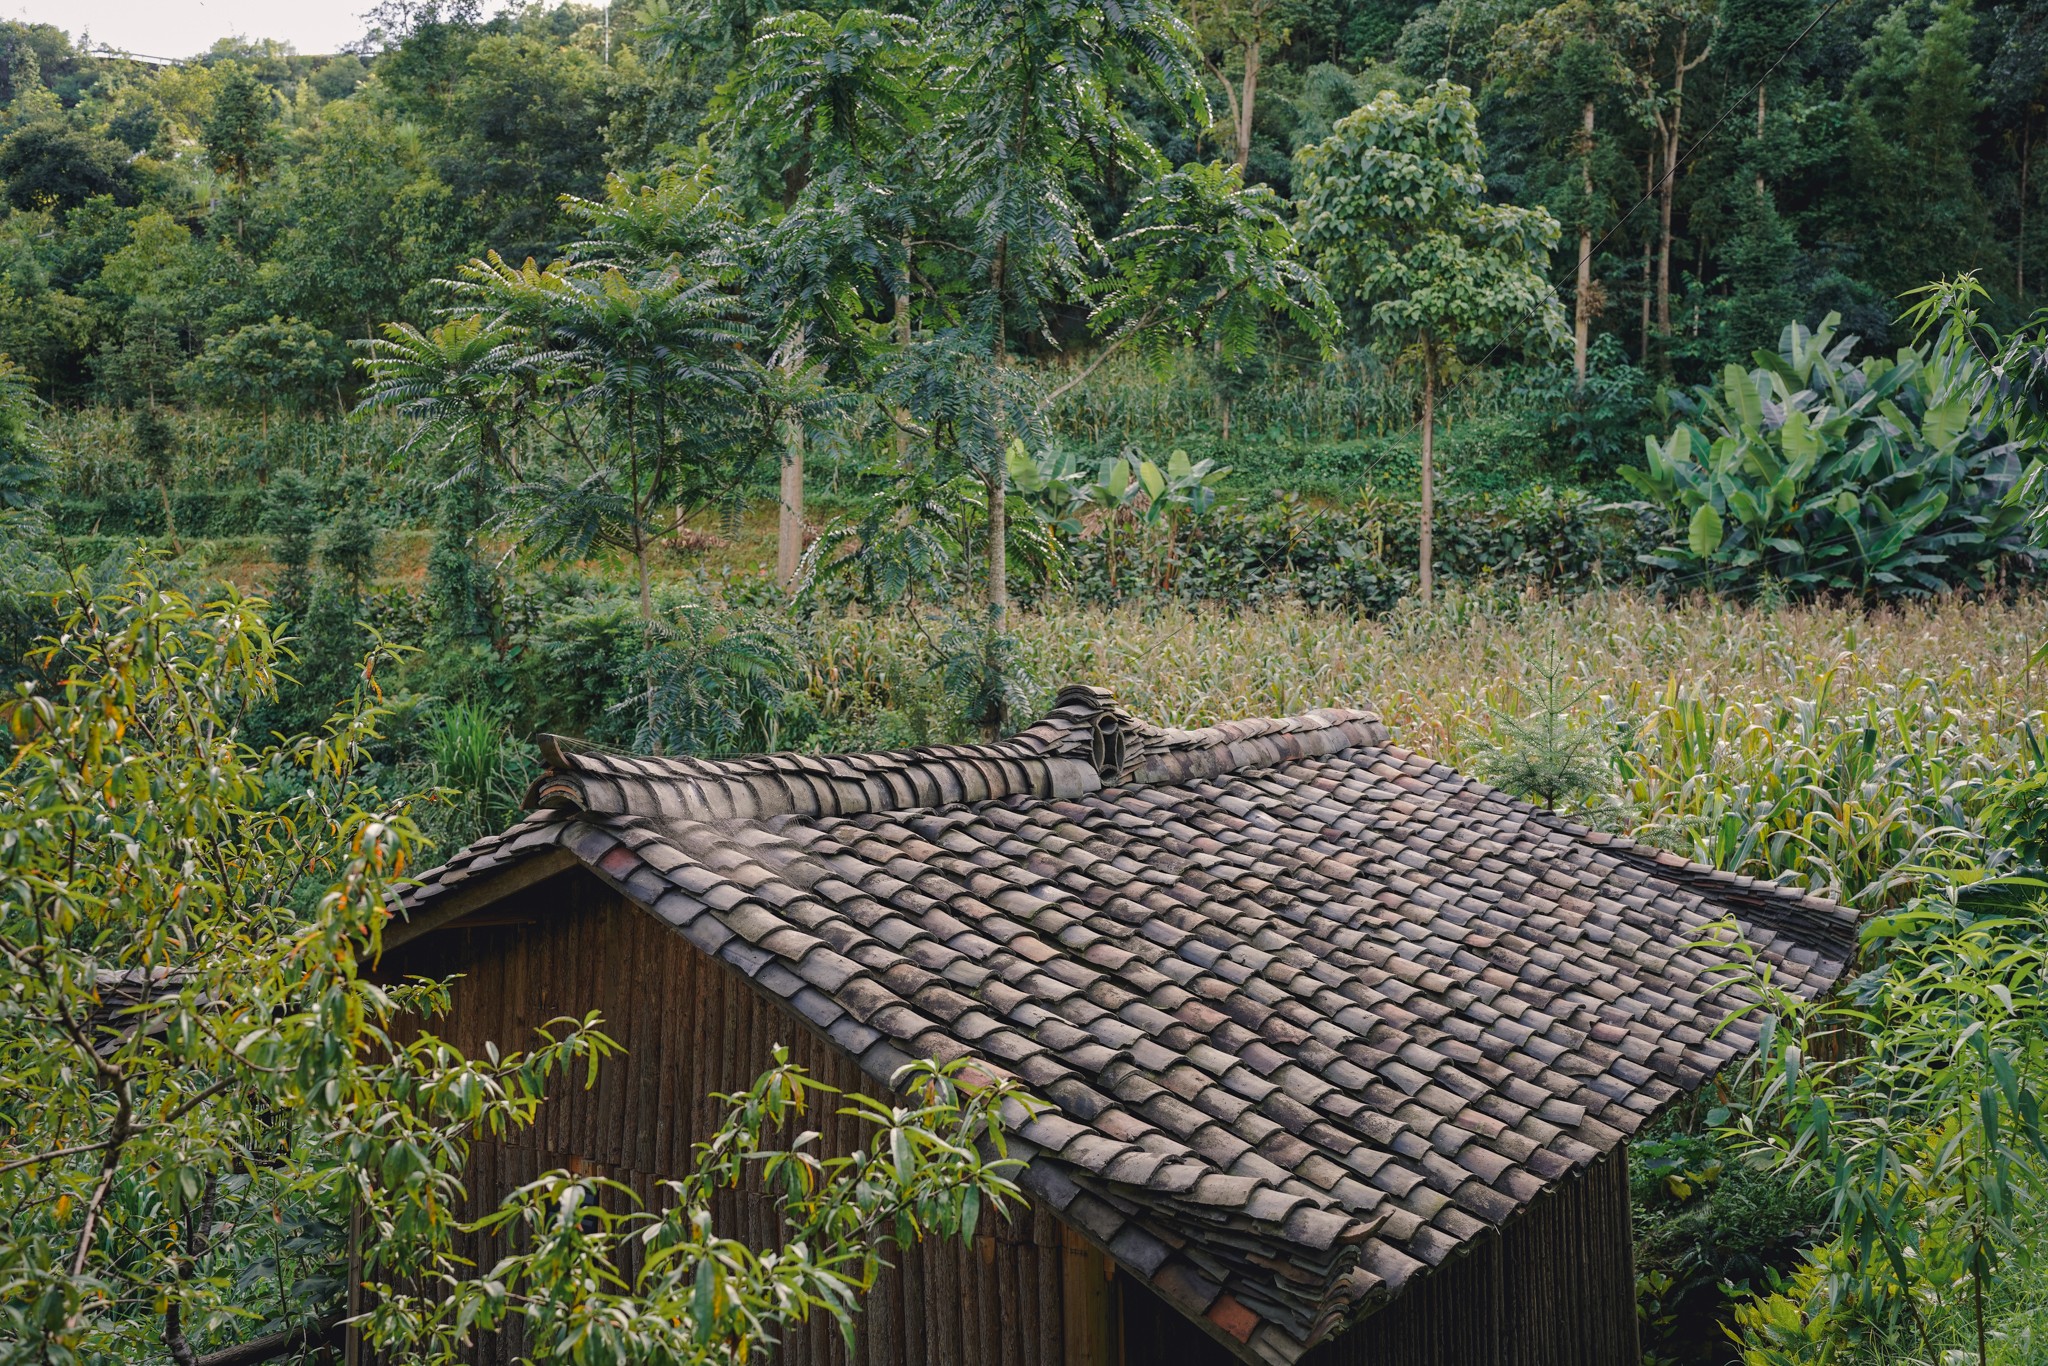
(1885, 477)
(1183, 490)
(1124, 494)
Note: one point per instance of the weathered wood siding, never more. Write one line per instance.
(691, 1028)
(1555, 1288)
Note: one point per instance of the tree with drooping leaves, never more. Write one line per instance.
(1394, 208)
(1034, 105)
(458, 381)
(1202, 257)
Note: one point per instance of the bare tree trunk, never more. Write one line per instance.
(1244, 120)
(2026, 156)
(1667, 192)
(1649, 187)
(994, 480)
(1582, 305)
(998, 551)
(1428, 469)
(1761, 99)
(903, 340)
(640, 552)
(789, 530)
(998, 276)
(1673, 133)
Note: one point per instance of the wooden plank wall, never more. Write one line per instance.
(1555, 1288)
(693, 1027)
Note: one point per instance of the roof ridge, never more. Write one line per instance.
(1086, 742)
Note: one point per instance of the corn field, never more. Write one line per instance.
(1841, 749)
(92, 448)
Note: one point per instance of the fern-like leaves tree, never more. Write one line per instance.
(1036, 101)
(1201, 257)
(841, 102)
(635, 343)
(461, 382)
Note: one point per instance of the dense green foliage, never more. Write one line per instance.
(1812, 472)
(1888, 145)
(478, 349)
(205, 1087)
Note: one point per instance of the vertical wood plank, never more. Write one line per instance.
(1088, 1327)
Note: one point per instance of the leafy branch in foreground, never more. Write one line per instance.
(200, 1080)
(1927, 1133)
(934, 1166)
(204, 1088)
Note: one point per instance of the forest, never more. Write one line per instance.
(1639, 403)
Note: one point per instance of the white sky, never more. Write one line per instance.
(182, 28)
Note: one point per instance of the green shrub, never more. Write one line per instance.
(1363, 557)
(1710, 1229)
(1591, 433)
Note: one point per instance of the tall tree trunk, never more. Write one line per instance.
(1761, 99)
(646, 585)
(1649, 187)
(1428, 469)
(640, 551)
(998, 280)
(1673, 133)
(1582, 305)
(903, 340)
(2026, 156)
(1668, 192)
(1244, 119)
(789, 529)
(998, 550)
(994, 479)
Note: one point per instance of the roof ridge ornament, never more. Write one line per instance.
(1087, 741)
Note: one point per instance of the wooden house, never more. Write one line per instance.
(1340, 1051)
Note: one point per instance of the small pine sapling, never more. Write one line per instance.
(1547, 753)
(291, 519)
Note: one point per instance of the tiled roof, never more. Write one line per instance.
(1309, 1012)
